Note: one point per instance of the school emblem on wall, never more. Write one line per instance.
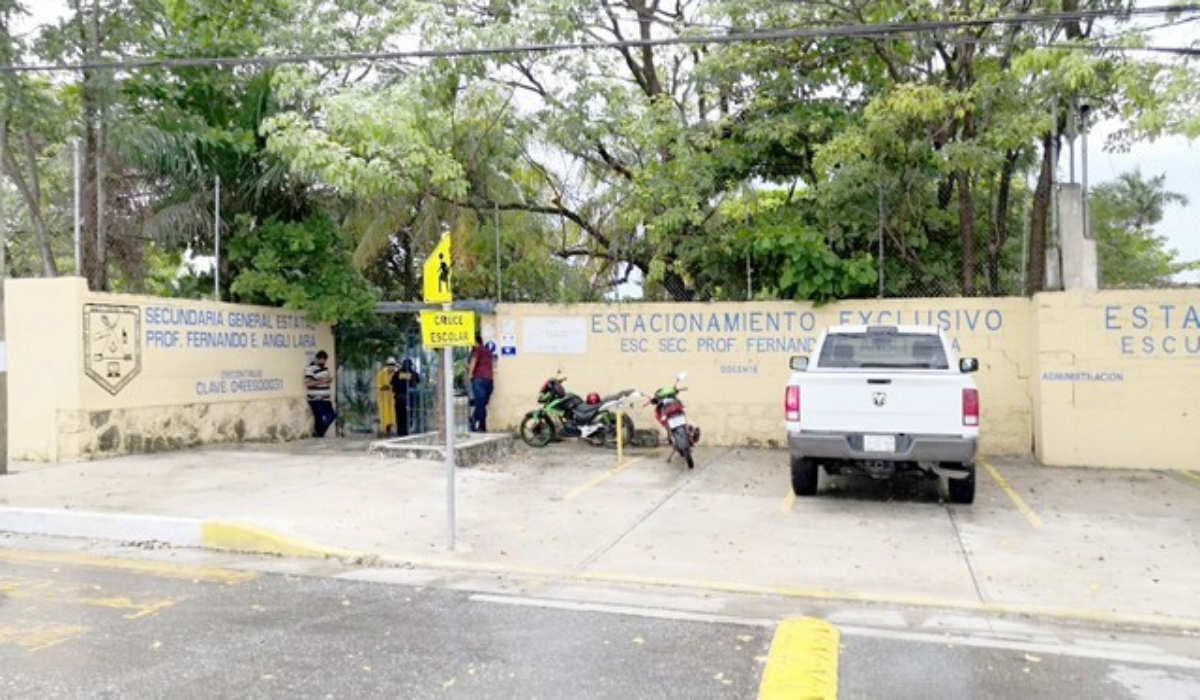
(112, 344)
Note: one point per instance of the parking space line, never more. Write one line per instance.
(602, 478)
(36, 636)
(83, 594)
(152, 568)
(1190, 475)
(1015, 497)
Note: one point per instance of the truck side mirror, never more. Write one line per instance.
(966, 365)
(799, 363)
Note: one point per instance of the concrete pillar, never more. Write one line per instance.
(1079, 264)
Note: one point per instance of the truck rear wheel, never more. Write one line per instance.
(963, 490)
(804, 476)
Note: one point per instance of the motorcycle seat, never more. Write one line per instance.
(584, 412)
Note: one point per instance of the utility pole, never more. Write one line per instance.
(881, 229)
(217, 237)
(3, 342)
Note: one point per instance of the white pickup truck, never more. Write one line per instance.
(882, 400)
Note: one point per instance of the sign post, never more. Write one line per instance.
(445, 329)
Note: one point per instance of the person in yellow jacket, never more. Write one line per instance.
(384, 399)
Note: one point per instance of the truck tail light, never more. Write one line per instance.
(791, 403)
(970, 407)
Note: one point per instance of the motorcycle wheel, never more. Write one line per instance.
(683, 445)
(537, 431)
(610, 432)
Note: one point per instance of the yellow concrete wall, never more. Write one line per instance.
(1105, 379)
(45, 372)
(736, 356)
(1118, 379)
(97, 374)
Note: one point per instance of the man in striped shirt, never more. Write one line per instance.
(319, 380)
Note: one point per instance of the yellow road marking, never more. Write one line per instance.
(603, 477)
(803, 662)
(789, 502)
(1015, 497)
(81, 594)
(153, 568)
(38, 636)
(1190, 475)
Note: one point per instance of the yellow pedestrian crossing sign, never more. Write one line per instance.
(447, 329)
(437, 274)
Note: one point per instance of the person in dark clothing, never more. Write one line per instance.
(480, 369)
(318, 379)
(402, 380)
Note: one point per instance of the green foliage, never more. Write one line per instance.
(1123, 215)
(675, 164)
(302, 265)
(788, 254)
(167, 274)
(364, 344)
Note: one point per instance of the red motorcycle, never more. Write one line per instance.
(669, 412)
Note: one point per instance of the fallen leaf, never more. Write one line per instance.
(450, 682)
(638, 640)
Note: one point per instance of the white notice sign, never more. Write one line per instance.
(555, 336)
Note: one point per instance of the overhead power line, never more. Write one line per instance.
(734, 37)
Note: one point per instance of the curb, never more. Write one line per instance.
(237, 537)
(228, 536)
(178, 532)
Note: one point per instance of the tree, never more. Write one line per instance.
(301, 265)
(420, 158)
(1123, 215)
(29, 126)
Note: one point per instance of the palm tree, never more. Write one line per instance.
(1123, 214)
(1145, 199)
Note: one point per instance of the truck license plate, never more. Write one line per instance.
(676, 420)
(879, 443)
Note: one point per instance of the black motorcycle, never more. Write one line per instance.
(563, 414)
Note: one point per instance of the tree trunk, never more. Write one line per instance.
(1000, 223)
(49, 268)
(966, 227)
(92, 244)
(31, 190)
(1039, 220)
(966, 194)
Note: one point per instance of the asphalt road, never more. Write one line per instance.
(81, 620)
(76, 625)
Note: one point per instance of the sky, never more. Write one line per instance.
(1175, 157)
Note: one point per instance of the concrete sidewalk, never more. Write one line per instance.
(1098, 546)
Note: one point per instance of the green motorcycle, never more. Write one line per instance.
(562, 414)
